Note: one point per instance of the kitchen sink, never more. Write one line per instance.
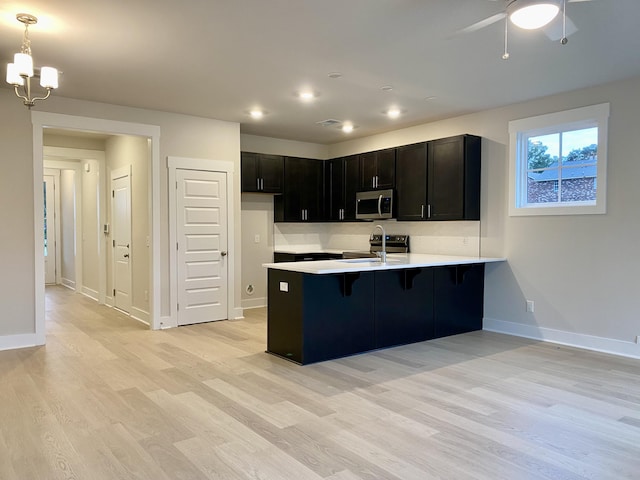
(359, 255)
(360, 260)
(373, 261)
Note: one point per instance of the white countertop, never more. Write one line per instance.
(394, 261)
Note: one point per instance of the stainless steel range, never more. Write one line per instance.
(394, 244)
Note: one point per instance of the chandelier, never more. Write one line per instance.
(21, 71)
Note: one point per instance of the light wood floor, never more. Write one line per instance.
(108, 399)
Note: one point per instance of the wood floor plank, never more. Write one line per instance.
(109, 399)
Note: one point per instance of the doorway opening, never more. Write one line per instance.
(148, 251)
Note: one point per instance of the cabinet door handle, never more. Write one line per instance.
(262, 184)
(258, 183)
(376, 181)
(373, 182)
(429, 211)
(422, 211)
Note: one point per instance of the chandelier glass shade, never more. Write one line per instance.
(21, 71)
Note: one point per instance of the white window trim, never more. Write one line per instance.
(578, 118)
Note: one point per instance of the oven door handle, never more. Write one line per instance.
(380, 204)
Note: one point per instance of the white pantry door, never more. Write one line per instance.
(201, 232)
(49, 230)
(121, 238)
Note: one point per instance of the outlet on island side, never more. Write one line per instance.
(530, 306)
(637, 339)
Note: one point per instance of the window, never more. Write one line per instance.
(558, 163)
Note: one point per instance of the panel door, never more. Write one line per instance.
(121, 220)
(201, 212)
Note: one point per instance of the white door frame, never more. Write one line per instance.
(57, 256)
(42, 120)
(174, 163)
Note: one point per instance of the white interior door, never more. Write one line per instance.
(121, 239)
(49, 230)
(201, 232)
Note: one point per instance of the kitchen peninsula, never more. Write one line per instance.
(321, 310)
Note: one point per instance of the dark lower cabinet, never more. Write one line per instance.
(404, 306)
(458, 296)
(319, 317)
(312, 318)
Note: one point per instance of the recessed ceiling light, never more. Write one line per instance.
(387, 88)
(334, 75)
(256, 113)
(347, 127)
(432, 97)
(393, 112)
(306, 95)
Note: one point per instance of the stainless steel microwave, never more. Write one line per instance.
(374, 205)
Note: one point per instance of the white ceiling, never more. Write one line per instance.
(219, 58)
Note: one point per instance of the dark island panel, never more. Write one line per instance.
(312, 318)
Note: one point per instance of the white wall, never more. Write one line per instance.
(131, 151)
(67, 227)
(91, 230)
(290, 148)
(181, 135)
(257, 220)
(16, 218)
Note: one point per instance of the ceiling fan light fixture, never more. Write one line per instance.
(531, 15)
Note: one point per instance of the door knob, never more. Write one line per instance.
(223, 253)
(126, 255)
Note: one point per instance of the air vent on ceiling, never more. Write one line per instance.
(330, 122)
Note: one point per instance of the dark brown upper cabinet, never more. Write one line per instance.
(262, 173)
(377, 170)
(439, 180)
(303, 196)
(341, 187)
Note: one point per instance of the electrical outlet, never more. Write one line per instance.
(530, 306)
(256, 239)
(637, 339)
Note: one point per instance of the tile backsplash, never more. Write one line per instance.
(444, 238)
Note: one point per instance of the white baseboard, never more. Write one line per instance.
(237, 313)
(108, 301)
(167, 322)
(90, 293)
(254, 302)
(571, 339)
(70, 284)
(140, 315)
(25, 340)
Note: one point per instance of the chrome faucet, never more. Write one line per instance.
(383, 254)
